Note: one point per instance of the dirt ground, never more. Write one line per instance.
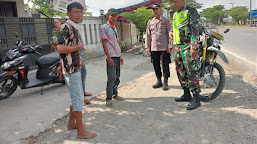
(152, 115)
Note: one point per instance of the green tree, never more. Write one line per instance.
(41, 5)
(239, 13)
(214, 14)
(139, 17)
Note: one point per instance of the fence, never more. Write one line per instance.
(37, 31)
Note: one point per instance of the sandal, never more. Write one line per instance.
(119, 98)
(109, 103)
(87, 94)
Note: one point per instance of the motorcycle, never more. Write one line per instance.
(15, 71)
(212, 75)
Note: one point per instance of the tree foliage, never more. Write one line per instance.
(239, 13)
(41, 5)
(214, 14)
(139, 17)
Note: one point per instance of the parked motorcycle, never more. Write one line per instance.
(15, 71)
(212, 74)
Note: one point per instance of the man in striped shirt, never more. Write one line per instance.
(109, 36)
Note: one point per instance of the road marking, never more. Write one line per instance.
(248, 62)
(246, 34)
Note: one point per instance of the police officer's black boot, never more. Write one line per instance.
(195, 103)
(159, 83)
(186, 97)
(165, 84)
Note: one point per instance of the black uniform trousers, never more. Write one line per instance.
(158, 58)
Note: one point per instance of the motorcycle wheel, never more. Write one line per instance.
(213, 82)
(8, 85)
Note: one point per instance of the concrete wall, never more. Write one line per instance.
(90, 28)
(20, 7)
(90, 31)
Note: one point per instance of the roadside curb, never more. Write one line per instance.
(242, 62)
(237, 27)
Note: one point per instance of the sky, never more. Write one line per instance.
(95, 5)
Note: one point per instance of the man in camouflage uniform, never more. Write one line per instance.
(158, 42)
(185, 37)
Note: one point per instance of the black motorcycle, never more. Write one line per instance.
(15, 71)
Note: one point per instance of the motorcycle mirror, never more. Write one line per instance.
(39, 47)
(227, 30)
(17, 35)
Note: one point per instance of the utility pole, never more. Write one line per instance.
(251, 21)
(232, 4)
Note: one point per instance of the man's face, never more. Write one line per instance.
(178, 4)
(76, 15)
(157, 12)
(113, 18)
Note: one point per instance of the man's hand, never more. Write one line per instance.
(148, 51)
(193, 53)
(84, 49)
(121, 60)
(169, 50)
(59, 73)
(171, 35)
(80, 45)
(110, 62)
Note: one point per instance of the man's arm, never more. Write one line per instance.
(168, 28)
(194, 16)
(63, 49)
(104, 43)
(171, 29)
(109, 59)
(148, 38)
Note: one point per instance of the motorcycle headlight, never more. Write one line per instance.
(216, 43)
(8, 64)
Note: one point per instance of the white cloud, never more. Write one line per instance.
(96, 5)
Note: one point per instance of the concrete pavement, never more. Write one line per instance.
(27, 112)
(151, 116)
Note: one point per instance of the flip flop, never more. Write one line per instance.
(87, 94)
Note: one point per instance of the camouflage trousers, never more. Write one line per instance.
(188, 69)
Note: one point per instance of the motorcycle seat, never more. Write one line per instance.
(48, 59)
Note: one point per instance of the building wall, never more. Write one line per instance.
(90, 31)
(20, 7)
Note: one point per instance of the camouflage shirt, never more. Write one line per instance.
(70, 62)
(191, 27)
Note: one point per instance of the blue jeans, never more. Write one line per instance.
(83, 73)
(113, 78)
(83, 77)
(74, 84)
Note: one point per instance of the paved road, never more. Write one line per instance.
(242, 43)
(27, 112)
